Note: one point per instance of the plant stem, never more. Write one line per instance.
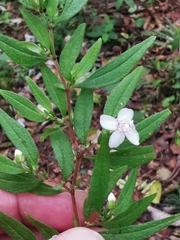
(72, 136)
(71, 130)
(76, 170)
(75, 206)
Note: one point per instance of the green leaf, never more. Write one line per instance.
(63, 152)
(131, 157)
(8, 166)
(23, 106)
(105, 37)
(32, 47)
(141, 231)
(21, 138)
(39, 94)
(108, 27)
(132, 5)
(131, 214)
(83, 114)
(47, 132)
(19, 54)
(114, 176)
(71, 51)
(117, 68)
(125, 198)
(18, 183)
(70, 9)
(148, 126)
(14, 228)
(45, 190)
(37, 28)
(29, 4)
(118, 3)
(87, 62)
(100, 176)
(57, 95)
(46, 231)
(168, 100)
(52, 8)
(121, 94)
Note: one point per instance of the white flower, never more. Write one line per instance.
(111, 197)
(122, 127)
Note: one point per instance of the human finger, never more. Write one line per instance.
(78, 233)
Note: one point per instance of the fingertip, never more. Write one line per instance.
(78, 233)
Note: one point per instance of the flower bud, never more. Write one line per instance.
(111, 201)
(19, 158)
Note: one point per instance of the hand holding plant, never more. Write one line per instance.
(69, 131)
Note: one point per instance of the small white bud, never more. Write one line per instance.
(111, 201)
(19, 157)
(17, 153)
(111, 197)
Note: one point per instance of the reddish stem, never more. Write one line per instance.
(72, 138)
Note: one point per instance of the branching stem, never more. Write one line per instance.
(72, 136)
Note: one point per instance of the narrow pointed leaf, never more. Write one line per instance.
(56, 94)
(141, 231)
(125, 198)
(131, 157)
(117, 68)
(87, 61)
(149, 125)
(47, 132)
(121, 94)
(83, 114)
(46, 231)
(63, 152)
(70, 9)
(21, 138)
(19, 54)
(14, 228)
(100, 176)
(114, 176)
(29, 4)
(18, 183)
(23, 106)
(45, 190)
(37, 28)
(39, 94)
(131, 214)
(8, 166)
(71, 51)
(32, 47)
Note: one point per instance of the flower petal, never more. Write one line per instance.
(125, 113)
(133, 136)
(108, 122)
(116, 139)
